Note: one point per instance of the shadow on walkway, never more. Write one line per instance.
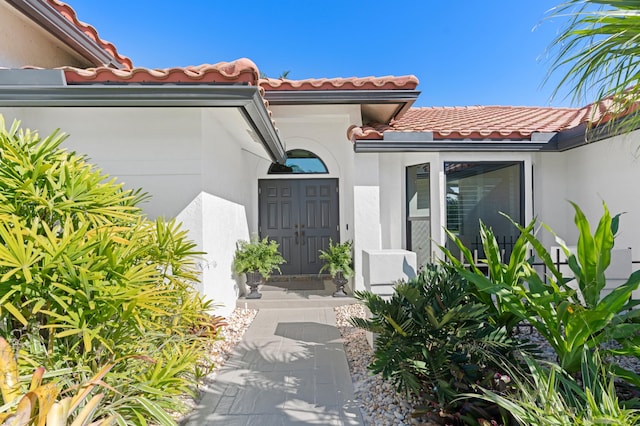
(288, 370)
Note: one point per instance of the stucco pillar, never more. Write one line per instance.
(366, 210)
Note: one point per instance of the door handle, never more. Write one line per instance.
(302, 234)
(296, 235)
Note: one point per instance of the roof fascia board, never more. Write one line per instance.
(364, 145)
(259, 118)
(391, 136)
(247, 98)
(32, 77)
(582, 134)
(49, 19)
(424, 142)
(571, 138)
(298, 97)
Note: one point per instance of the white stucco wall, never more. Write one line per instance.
(163, 158)
(24, 43)
(216, 225)
(197, 164)
(601, 171)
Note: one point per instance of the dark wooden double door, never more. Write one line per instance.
(301, 215)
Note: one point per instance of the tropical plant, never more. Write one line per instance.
(548, 395)
(39, 404)
(338, 258)
(433, 338)
(570, 319)
(598, 54)
(86, 279)
(257, 255)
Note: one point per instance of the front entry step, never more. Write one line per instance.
(324, 302)
(303, 292)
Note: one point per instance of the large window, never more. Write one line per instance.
(482, 191)
(419, 212)
(299, 161)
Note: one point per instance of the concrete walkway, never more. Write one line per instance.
(289, 369)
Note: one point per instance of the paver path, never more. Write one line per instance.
(289, 369)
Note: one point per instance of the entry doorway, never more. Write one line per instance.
(301, 215)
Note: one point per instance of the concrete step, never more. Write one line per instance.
(294, 302)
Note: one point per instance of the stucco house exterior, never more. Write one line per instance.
(231, 154)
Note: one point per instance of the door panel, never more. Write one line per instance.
(302, 216)
(320, 209)
(278, 216)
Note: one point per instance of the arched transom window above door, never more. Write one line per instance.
(299, 161)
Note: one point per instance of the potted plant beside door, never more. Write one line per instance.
(338, 260)
(257, 259)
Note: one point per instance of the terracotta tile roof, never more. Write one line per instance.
(479, 122)
(239, 71)
(70, 14)
(408, 82)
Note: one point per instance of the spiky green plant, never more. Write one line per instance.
(548, 396)
(86, 279)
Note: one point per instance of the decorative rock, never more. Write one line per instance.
(379, 403)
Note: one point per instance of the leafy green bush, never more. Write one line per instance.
(433, 337)
(570, 319)
(338, 258)
(257, 255)
(86, 280)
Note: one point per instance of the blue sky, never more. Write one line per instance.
(467, 52)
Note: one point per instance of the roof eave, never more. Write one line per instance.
(404, 99)
(247, 98)
(297, 97)
(583, 134)
(49, 19)
(424, 142)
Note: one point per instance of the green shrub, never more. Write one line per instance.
(257, 255)
(338, 258)
(571, 320)
(86, 279)
(434, 340)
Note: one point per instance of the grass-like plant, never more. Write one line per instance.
(547, 395)
(433, 338)
(86, 279)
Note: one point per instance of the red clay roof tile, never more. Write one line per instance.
(239, 71)
(68, 12)
(408, 82)
(479, 122)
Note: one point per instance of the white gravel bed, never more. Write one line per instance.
(230, 335)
